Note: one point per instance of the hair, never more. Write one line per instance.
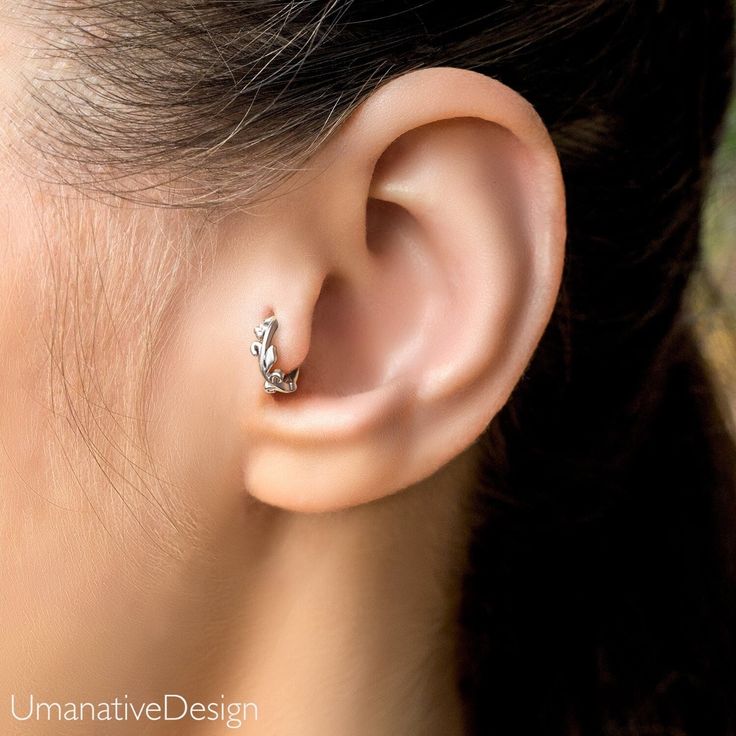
(599, 597)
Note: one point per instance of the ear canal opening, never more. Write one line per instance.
(338, 362)
(385, 219)
(367, 328)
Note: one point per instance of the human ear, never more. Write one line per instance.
(417, 263)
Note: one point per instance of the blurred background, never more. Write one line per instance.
(720, 216)
(713, 300)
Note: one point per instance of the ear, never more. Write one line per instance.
(418, 263)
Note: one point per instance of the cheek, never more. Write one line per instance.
(86, 293)
(24, 360)
(83, 517)
(203, 376)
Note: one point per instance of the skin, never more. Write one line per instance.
(168, 527)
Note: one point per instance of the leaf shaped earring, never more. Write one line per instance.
(276, 381)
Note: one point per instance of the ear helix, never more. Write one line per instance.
(275, 379)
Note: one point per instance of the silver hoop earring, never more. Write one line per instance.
(276, 381)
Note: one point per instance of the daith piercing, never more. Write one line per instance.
(276, 381)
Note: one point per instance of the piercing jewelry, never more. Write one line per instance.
(276, 381)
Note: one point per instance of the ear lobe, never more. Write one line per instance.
(443, 208)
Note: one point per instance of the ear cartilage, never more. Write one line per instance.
(276, 381)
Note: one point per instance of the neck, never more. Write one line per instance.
(330, 624)
(354, 630)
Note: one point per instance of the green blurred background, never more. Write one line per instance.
(720, 216)
(713, 303)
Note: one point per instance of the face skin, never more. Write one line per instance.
(168, 527)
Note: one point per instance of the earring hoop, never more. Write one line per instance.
(275, 380)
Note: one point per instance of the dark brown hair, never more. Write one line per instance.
(600, 595)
